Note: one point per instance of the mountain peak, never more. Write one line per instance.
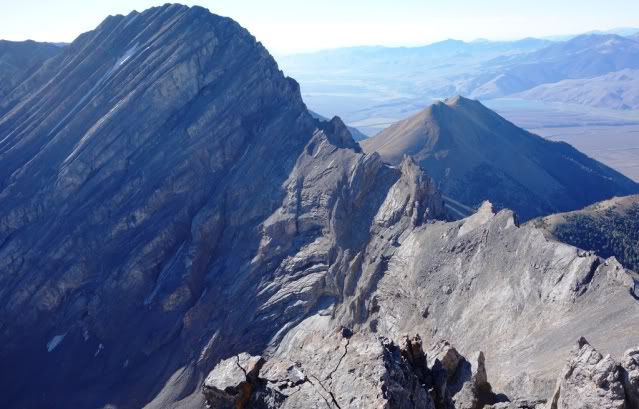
(460, 101)
(339, 134)
(475, 155)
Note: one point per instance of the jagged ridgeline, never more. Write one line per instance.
(169, 208)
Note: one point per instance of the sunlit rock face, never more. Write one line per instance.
(169, 208)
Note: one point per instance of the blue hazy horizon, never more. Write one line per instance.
(287, 26)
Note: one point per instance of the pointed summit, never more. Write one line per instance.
(475, 155)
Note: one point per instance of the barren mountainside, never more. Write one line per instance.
(474, 154)
(177, 230)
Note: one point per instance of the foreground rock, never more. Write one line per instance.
(630, 365)
(233, 381)
(167, 202)
(342, 370)
(592, 381)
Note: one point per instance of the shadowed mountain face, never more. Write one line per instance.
(20, 59)
(165, 198)
(474, 155)
(167, 202)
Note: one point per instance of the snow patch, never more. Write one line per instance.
(127, 56)
(100, 348)
(55, 341)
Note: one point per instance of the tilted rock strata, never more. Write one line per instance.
(168, 187)
(19, 60)
(167, 202)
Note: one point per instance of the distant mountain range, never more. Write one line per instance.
(371, 86)
(474, 155)
(617, 90)
(585, 56)
(622, 31)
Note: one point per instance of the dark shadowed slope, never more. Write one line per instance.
(133, 185)
(609, 228)
(19, 59)
(474, 154)
(166, 200)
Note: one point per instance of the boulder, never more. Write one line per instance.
(590, 381)
(631, 377)
(231, 383)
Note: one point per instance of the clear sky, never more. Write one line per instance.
(287, 26)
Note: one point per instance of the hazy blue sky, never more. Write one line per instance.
(299, 25)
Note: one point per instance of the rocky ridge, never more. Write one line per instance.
(381, 374)
(479, 291)
(169, 207)
(169, 187)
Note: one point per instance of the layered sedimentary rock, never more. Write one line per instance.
(169, 208)
(168, 201)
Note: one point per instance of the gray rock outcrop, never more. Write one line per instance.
(510, 293)
(590, 381)
(232, 382)
(346, 370)
(630, 365)
(167, 203)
